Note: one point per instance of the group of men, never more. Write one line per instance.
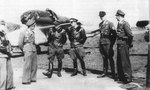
(6, 71)
(123, 38)
(108, 37)
(77, 37)
(57, 38)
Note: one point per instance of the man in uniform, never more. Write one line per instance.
(27, 43)
(6, 71)
(124, 42)
(56, 39)
(77, 38)
(52, 15)
(107, 40)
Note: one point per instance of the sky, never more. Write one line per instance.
(85, 10)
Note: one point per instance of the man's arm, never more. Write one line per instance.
(129, 34)
(128, 30)
(83, 36)
(93, 33)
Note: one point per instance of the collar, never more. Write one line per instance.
(104, 22)
(121, 21)
(29, 30)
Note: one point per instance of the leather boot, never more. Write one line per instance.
(75, 68)
(112, 66)
(50, 72)
(104, 74)
(83, 66)
(84, 72)
(128, 79)
(75, 72)
(59, 68)
(105, 68)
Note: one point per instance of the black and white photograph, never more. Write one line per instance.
(74, 45)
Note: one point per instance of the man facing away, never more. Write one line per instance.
(27, 43)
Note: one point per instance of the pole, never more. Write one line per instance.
(148, 67)
(148, 61)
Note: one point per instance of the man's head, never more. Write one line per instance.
(119, 14)
(31, 23)
(2, 22)
(73, 22)
(102, 15)
(47, 9)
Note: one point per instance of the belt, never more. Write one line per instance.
(30, 43)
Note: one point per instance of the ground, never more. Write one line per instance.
(66, 82)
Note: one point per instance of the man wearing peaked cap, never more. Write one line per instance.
(124, 42)
(107, 40)
(102, 13)
(73, 20)
(120, 13)
(30, 22)
(27, 44)
(77, 37)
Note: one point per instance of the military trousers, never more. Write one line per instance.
(123, 63)
(30, 67)
(6, 74)
(107, 53)
(77, 53)
(59, 53)
(53, 51)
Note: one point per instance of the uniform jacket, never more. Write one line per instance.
(57, 38)
(124, 34)
(77, 36)
(27, 40)
(5, 48)
(146, 36)
(107, 32)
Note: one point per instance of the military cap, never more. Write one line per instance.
(73, 20)
(30, 22)
(2, 22)
(47, 9)
(102, 13)
(120, 13)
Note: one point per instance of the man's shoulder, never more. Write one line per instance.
(125, 22)
(109, 22)
(81, 28)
